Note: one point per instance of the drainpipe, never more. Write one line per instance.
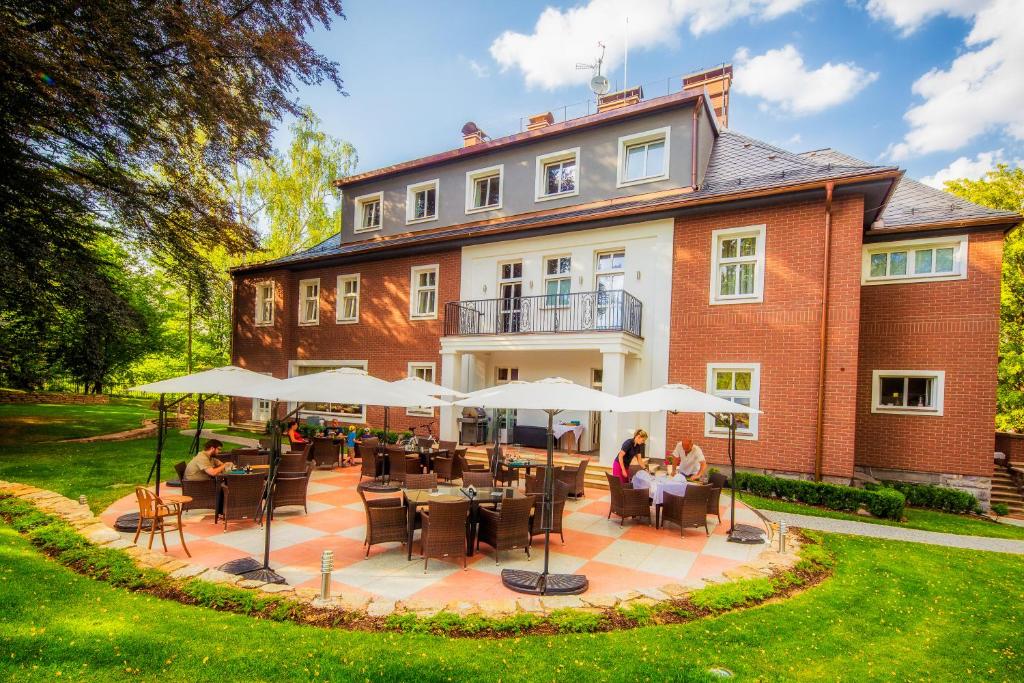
(823, 340)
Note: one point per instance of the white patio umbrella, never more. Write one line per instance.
(680, 398)
(422, 386)
(552, 395)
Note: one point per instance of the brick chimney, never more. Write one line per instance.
(617, 100)
(716, 81)
(472, 135)
(540, 121)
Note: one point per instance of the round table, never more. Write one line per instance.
(375, 486)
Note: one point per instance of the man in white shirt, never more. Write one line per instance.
(689, 459)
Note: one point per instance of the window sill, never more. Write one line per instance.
(895, 410)
(431, 316)
(414, 221)
(309, 324)
(559, 195)
(754, 299)
(641, 181)
(270, 324)
(347, 321)
(724, 434)
(361, 230)
(414, 413)
(483, 209)
(913, 279)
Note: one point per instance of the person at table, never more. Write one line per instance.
(294, 437)
(350, 446)
(632, 449)
(206, 464)
(689, 459)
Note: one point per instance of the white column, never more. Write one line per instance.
(613, 380)
(451, 371)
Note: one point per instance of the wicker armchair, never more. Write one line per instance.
(448, 469)
(448, 445)
(266, 442)
(444, 531)
(561, 495)
(401, 464)
(426, 481)
(179, 468)
(250, 459)
(535, 483)
(294, 463)
(241, 497)
(291, 490)
(385, 520)
(368, 457)
(503, 474)
(715, 502)
(506, 528)
(688, 510)
(203, 493)
(158, 513)
(326, 452)
(468, 466)
(718, 479)
(627, 502)
(305, 449)
(477, 479)
(576, 487)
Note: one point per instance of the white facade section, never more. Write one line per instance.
(628, 364)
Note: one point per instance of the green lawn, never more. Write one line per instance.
(891, 611)
(917, 518)
(35, 423)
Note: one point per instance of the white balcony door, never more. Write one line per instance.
(610, 280)
(511, 293)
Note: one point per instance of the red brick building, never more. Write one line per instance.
(645, 244)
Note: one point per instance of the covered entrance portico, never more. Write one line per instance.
(613, 361)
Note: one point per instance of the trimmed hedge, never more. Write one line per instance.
(881, 502)
(928, 496)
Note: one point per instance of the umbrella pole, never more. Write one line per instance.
(549, 485)
(161, 433)
(200, 419)
(738, 533)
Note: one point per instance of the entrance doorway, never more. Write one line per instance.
(596, 383)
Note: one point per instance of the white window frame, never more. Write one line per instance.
(957, 242)
(479, 174)
(339, 302)
(302, 302)
(410, 201)
(256, 412)
(259, 321)
(545, 278)
(359, 203)
(412, 368)
(540, 179)
(646, 136)
(294, 365)
(710, 429)
(761, 233)
(938, 378)
(414, 291)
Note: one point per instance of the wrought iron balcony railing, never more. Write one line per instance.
(600, 311)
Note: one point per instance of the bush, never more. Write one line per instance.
(933, 497)
(880, 502)
(1001, 509)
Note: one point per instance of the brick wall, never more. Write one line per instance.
(951, 326)
(782, 334)
(385, 337)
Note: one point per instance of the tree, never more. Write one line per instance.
(293, 194)
(1003, 188)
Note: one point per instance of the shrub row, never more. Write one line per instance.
(928, 496)
(881, 502)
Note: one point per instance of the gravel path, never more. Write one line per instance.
(226, 438)
(844, 526)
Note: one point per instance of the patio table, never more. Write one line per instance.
(415, 498)
(561, 430)
(657, 486)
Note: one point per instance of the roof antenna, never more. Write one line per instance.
(598, 84)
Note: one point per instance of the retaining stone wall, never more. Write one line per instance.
(47, 397)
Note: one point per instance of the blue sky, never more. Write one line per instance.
(810, 73)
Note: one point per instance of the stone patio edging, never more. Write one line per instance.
(769, 563)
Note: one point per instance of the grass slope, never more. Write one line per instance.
(917, 518)
(935, 613)
(35, 423)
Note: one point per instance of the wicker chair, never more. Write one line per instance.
(179, 468)
(326, 452)
(368, 456)
(233, 455)
(506, 528)
(266, 442)
(426, 481)
(203, 493)
(504, 475)
(291, 490)
(576, 488)
(294, 463)
(535, 483)
(468, 466)
(448, 469)
(401, 464)
(688, 510)
(627, 502)
(448, 445)
(633, 469)
(241, 497)
(718, 479)
(385, 520)
(444, 531)
(715, 502)
(158, 513)
(561, 495)
(477, 479)
(251, 459)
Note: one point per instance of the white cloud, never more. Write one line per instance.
(479, 70)
(780, 78)
(981, 91)
(964, 167)
(547, 57)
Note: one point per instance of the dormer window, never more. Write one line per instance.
(643, 157)
(421, 202)
(368, 212)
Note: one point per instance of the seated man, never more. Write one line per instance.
(206, 465)
(689, 459)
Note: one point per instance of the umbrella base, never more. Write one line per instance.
(744, 533)
(266, 575)
(536, 583)
(242, 565)
(130, 522)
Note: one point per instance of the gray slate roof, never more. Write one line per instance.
(914, 203)
(738, 163)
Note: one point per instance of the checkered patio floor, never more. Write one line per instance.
(614, 557)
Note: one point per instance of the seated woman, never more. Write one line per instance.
(633, 448)
(294, 437)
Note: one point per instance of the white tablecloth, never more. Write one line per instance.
(658, 485)
(561, 430)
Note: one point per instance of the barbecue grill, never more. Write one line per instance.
(473, 426)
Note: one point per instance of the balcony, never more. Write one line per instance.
(600, 311)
